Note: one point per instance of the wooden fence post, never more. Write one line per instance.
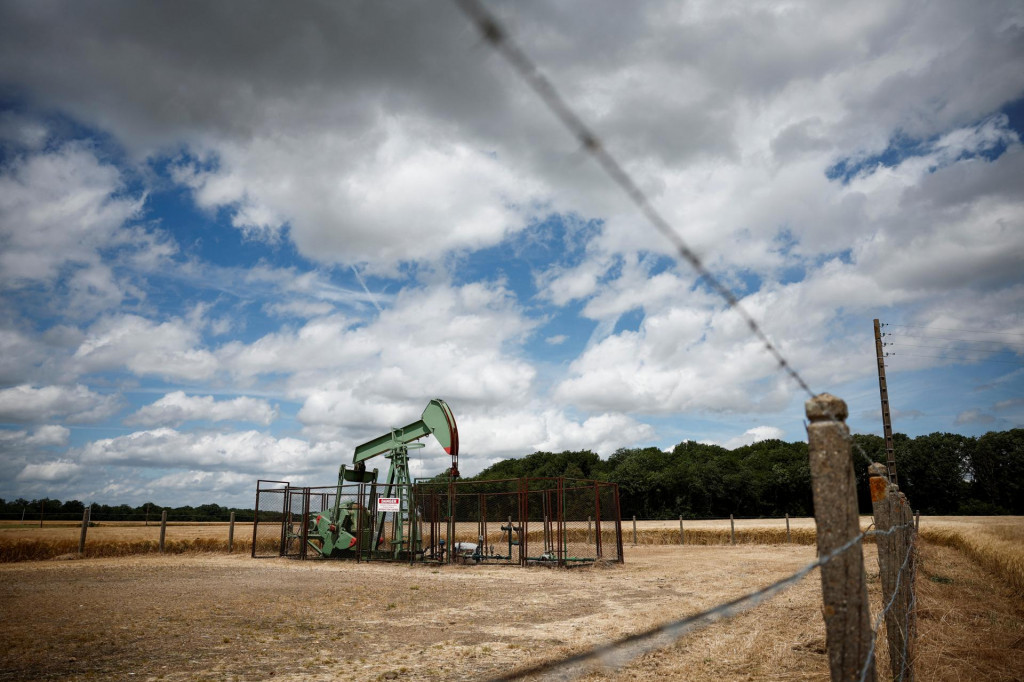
(85, 527)
(634, 530)
(917, 522)
(903, 605)
(231, 534)
(732, 530)
(888, 562)
(163, 529)
(682, 538)
(843, 583)
(789, 538)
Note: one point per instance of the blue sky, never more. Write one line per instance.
(238, 239)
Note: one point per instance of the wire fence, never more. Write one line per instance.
(849, 630)
(528, 521)
(850, 637)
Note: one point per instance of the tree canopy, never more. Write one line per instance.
(941, 473)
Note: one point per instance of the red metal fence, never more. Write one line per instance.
(534, 521)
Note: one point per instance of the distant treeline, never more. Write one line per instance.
(55, 510)
(941, 473)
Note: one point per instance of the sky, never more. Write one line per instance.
(239, 238)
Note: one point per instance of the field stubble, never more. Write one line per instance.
(214, 616)
(217, 616)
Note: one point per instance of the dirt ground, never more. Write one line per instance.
(219, 617)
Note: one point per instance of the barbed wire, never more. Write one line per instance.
(616, 653)
(906, 625)
(494, 33)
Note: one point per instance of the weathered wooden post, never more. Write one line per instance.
(163, 529)
(732, 530)
(903, 605)
(85, 527)
(882, 499)
(634, 530)
(231, 534)
(789, 538)
(590, 535)
(893, 525)
(682, 538)
(843, 584)
(917, 522)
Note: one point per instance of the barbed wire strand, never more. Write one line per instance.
(613, 654)
(494, 33)
(906, 639)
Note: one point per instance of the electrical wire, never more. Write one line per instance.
(947, 329)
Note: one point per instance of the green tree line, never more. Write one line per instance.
(71, 510)
(941, 473)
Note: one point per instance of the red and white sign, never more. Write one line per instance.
(389, 504)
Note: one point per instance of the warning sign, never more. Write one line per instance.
(388, 504)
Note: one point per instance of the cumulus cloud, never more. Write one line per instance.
(176, 408)
(826, 161)
(437, 339)
(41, 436)
(754, 435)
(57, 208)
(76, 404)
(248, 452)
(57, 471)
(519, 432)
(144, 347)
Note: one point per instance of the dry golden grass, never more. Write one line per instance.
(29, 542)
(41, 549)
(997, 543)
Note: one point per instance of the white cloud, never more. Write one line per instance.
(144, 347)
(57, 208)
(76, 404)
(519, 432)
(373, 204)
(754, 435)
(57, 471)
(358, 136)
(43, 436)
(250, 452)
(176, 408)
(433, 340)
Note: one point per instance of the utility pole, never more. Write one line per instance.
(890, 452)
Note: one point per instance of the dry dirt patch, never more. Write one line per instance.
(223, 617)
